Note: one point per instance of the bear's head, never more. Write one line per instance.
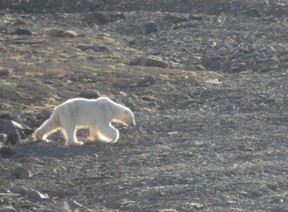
(128, 117)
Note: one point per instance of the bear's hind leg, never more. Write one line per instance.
(49, 126)
(110, 133)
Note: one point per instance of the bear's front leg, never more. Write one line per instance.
(110, 133)
(94, 134)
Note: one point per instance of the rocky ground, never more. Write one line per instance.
(207, 83)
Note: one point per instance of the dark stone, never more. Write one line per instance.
(196, 17)
(14, 130)
(22, 173)
(7, 127)
(44, 115)
(21, 31)
(147, 81)
(89, 94)
(23, 130)
(149, 27)
(99, 18)
(4, 72)
(149, 61)
(61, 33)
(174, 18)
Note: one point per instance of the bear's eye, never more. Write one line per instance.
(126, 111)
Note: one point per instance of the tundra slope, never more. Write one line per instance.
(213, 140)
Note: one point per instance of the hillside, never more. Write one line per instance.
(207, 83)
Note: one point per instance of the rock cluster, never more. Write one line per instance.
(11, 131)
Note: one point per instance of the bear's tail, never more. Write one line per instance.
(47, 127)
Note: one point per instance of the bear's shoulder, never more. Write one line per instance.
(103, 99)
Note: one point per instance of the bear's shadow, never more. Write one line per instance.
(58, 150)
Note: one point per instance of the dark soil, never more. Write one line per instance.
(211, 130)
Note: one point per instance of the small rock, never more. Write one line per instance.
(123, 93)
(148, 98)
(23, 130)
(61, 33)
(99, 18)
(94, 48)
(237, 67)
(147, 81)
(4, 190)
(22, 173)
(29, 193)
(21, 31)
(34, 195)
(19, 22)
(196, 17)
(7, 127)
(4, 72)
(149, 27)
(152, 104)
(19, 190)
(26, 41)
(149, 61)
(200, 68)
(75, 205)
(31, 121)
(116, 16)
(132, 42)
(89, 94)
(174, 18)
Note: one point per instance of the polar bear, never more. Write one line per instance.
(95, 114)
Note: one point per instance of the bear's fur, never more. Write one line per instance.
(95, 114)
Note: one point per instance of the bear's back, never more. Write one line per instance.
(81, 104)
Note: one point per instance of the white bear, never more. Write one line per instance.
(95, 114)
